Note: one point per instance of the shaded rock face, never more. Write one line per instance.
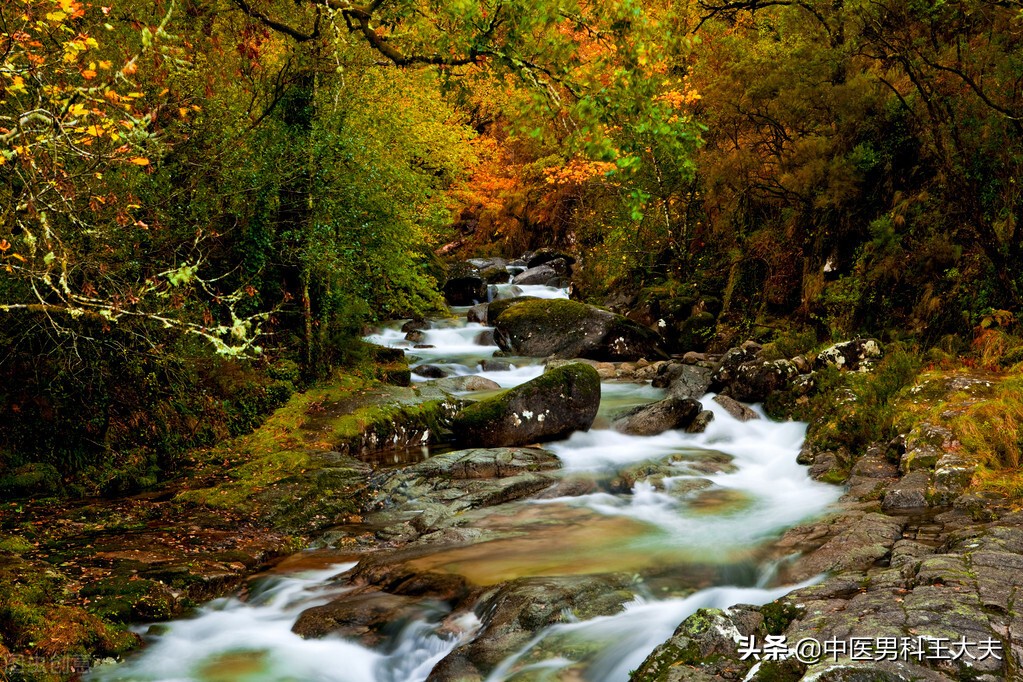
(655, 418)
(735, 408)
(430, 372)
(568, 329)
(464, 285)
(754, 381)
(549, 273)
(852, 355)
(550, 407)
(543, 256)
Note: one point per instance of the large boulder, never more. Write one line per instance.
(464, 285)
(655, 418)
(568, 329)
(550, 407)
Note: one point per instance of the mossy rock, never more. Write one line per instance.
(550, 407)
(33, 479)
(127, 600)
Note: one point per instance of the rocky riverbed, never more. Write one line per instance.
(551, 497)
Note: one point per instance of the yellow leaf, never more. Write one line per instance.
(88, 74)
(140, 161)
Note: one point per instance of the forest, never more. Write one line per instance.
(206, 206)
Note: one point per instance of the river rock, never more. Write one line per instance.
(753, 381)
(491, 365)
(550, 407)
(852, 355)
(464, 285)
(430, 371)
(692, 382)
(542, 256)
(514, 612)
(478, 313)
(495, 274)
(510, 292)
(367, 617)
(568, 329)
(540, 275)
(735, 408)
(466, 383)
(701, 422)
(655, 418)
(485, 338)
(415, 336)
(415, 325)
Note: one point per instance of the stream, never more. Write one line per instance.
(694, 533)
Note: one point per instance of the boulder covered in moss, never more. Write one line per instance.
(568, 329)
(550, 407)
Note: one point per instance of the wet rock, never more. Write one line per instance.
(701, 422)
(507, 294)
(735, 408)
(467, 383)
(513, 613)
(415, 336)
(568, 329)
(542, 274)
(550, 407)
(490, 365)
(495, 274)
(430, 371)
(852, 541)
(370, 618)
(655, 418)
(477, 313)
(852, 355)
(464, 286)
(692, 382)
(703, 646)
(415, 325)
(485, 338)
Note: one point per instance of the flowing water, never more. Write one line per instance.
(688, 514)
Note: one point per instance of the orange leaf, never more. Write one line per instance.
(140, 161)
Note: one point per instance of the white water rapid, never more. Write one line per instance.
(706, 500)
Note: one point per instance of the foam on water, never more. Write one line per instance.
(618, 644)
(252, 641)
(764, 492)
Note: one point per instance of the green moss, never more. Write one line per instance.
(778, 615)
(127, 600)
(560, 311)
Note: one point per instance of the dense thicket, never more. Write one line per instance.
(186, 185)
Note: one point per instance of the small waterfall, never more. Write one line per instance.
(747, 471)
